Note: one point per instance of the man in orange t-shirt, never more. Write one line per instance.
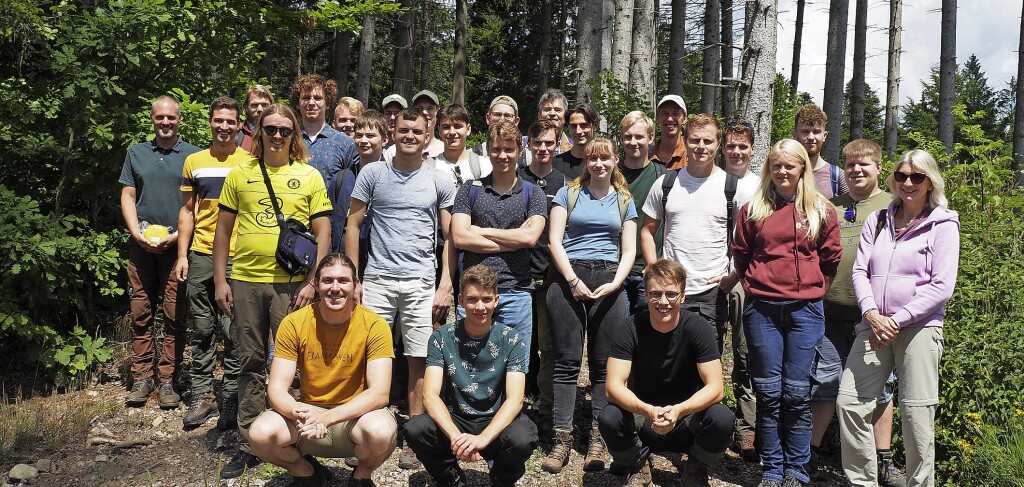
(343, 353)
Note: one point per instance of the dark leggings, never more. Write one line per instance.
(570, 320)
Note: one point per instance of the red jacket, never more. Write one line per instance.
(778, 262)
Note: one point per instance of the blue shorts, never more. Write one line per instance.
(830, 360)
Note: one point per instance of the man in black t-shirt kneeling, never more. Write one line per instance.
(664, 385)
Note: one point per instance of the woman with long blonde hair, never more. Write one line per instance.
(787, 250)
(592, 245)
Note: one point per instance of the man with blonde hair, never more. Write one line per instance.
(257, 99)
(345, 115)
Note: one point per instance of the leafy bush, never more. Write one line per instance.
(58, 274)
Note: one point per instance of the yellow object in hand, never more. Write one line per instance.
(155, 233)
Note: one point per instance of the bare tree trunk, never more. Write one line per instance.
(544, 67)
(588, 49)
(797, 44)
(605, 32)
(340, 59)
(1017, 164)
(563, 41)
(892, 95)
(756, 91)
(365, 60)
(947, 73)
(622, 40)
(728, 90)
(835, 69)
(860, 34)
(402, 37)
(676, 48)
(424, 77)
(459, 64)
(267, 66)
(711, 57)
(643, 59)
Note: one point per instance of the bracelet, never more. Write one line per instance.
(573, 284)
(865, 314)
(312, 282)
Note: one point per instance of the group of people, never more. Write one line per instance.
(554, 247)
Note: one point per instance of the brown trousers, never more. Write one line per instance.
(149, 275)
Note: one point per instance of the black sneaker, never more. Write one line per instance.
(354, 482)
(139, 395)
(889, 475)
(228, 419)
(500, 482)
(812, 466)
(200, 408)
(238, 464)
(321, 474)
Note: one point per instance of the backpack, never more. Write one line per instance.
(573, 197)
(474, 169)
(880, 223)
(731, 182)
(833, 178)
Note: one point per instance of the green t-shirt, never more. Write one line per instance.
(155, 174)
(475, 369)
(640, 182)
(841, 302)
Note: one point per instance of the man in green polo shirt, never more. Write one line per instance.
(149, 181)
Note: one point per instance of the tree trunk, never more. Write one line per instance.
(860, 33)
(365, 60)
(1017, 164)
(643, 58)
(267, 66)
(797, 44)
(544, 67)
(947, 73)
(340, 56)
(588, 49)
(459, 64)
(835, 69)
(604, 29)
(892, 95)
(622, 40)
(711, 57)
(756, 91)
(563, 41)
(729, 90)
(676, 48)
(402, 37)
(424, 75)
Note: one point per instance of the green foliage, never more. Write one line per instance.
(613, 100)
(785, 107)
(874, 115)
(58, 272)
(335, 15)
(75, 354)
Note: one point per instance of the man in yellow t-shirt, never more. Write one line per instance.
(343, 353)
(201, 181)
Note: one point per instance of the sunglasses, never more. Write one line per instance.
(272, 130)
(741, 124)
(657, 295)
(850, 214)
(916, 178)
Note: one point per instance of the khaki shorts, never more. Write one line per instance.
(337, 443)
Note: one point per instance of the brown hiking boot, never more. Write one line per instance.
(200, 408)
(640, 476)
(407, 459)
(141, 390)
(558, 457)
(744, 445)
(596, 452)
(167, 397)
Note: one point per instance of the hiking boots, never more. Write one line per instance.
(228, 419)
(812, 464)
(596, 452)
(407, 460)
(238, 464)
(770, 483)
(200, 408)
(792, 482)
(141, 390)
(558, 457)
(321, 475)
(744, 445)
(695, 473)
(889, 475)
(640, 476)
(166, 396)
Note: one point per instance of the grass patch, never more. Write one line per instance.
(50, 421)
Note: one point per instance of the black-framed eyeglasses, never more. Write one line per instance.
(272, 130)
(850, 214)
(657, 295)
(741, 124)
(916, 178)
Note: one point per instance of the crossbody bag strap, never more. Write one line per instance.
(273, 197)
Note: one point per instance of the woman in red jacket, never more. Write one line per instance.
(786, 250)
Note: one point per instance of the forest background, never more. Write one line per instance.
(77, 76)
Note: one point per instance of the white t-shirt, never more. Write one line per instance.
(695, 224)
(464, 168)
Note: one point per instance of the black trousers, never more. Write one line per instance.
(509, 452)
(704, 434)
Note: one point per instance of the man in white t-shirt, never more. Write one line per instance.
(454, 128)
(696, 221)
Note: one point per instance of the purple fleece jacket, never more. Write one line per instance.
(910, 279)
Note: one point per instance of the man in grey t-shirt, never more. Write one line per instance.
(410, 198)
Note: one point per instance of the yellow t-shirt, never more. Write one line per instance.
(204, 175)
(332, 361)
(300, 193)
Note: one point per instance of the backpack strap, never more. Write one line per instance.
(572, 197)
(731, 182)
(667, 181)
(475, 187)
(527, 194)
(623, 202)
(880, 223)
(833, 177)
(474, 165)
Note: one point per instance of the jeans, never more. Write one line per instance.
(508, 452)
(781, 337)
(570, 321)
(514, 310)
(636, 296)
(703, 435)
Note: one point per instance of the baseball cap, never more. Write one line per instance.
(678, 100)
(428, 94)
(394, 98)
(504, 100)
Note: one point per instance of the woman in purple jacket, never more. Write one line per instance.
(904, 274)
